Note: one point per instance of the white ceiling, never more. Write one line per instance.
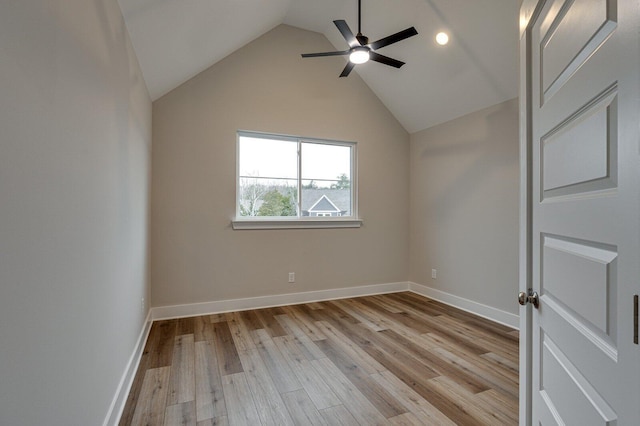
(177, 39)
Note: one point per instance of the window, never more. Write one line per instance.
(285, 182)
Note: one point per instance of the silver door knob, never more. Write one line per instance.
(522, 298)
(530, 297)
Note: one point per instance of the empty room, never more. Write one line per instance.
(304, 212)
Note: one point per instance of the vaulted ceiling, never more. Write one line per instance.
(177, 39)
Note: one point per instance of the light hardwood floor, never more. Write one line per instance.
(395, 359)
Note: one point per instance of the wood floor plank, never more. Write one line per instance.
(213, 318)
(241, 409)
(427, 308)
(209, 396)
(152, 403)
(270, 323)
(406, 323)
(251, 320)
(406, 419)
(316, 388)
(269, 404)
(355, 352)
(339, 416)
(297, 314)
(502, 363)
(492, 343)
(202, 329)
(376, 394)
(420, 384)
(218, 421)
(185, 326)
(460, 375)
(368, 320)
(227, 354)
(436, 308)
(494, 328)
(357, 404)
(240, 331)
(182, 383)
(382, 316)
(453, 345)
(163, 334)
(428, 414)
(302, 409)
(432, 307)
(384, 302)
(405, 303)
(183, 414)
(437, 327)
(476, 364)
(283, 376)
(505, 405)
(491, 377)
(405, 318)
(478, 411)
(381, 350)
(309, 349)
(315, 305)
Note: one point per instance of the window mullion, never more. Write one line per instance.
(299, 179)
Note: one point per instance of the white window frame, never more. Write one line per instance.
(298, 222)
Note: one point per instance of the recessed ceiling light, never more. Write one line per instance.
(442, 38)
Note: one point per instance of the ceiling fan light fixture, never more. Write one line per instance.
(359, 55)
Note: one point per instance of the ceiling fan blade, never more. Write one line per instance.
(315, 55)
(347, 69)
(394, 38)
(346, 33)
(385, 60)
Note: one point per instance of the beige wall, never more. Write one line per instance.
(464, 206)
(266, 86)
(75, 135)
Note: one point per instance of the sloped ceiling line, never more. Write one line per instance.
(177, 39)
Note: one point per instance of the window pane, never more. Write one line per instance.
(268, 158)
(326, 180)
(324, 164)
(268, 181)
(268, 197)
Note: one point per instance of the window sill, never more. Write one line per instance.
(241, 224)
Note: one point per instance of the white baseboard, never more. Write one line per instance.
(233, 305)
(488, 312)
(124, 387)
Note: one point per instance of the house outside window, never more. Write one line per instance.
(294, 179)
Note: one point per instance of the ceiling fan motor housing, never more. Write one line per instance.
(363, 40)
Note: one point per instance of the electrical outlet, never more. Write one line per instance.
(434, 274)
(292, 277)
(142, 304)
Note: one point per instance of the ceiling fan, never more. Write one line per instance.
(360, 50)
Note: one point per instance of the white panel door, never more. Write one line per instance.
(581, 233)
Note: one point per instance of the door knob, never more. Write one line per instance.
(530, 297)
(522, 298)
